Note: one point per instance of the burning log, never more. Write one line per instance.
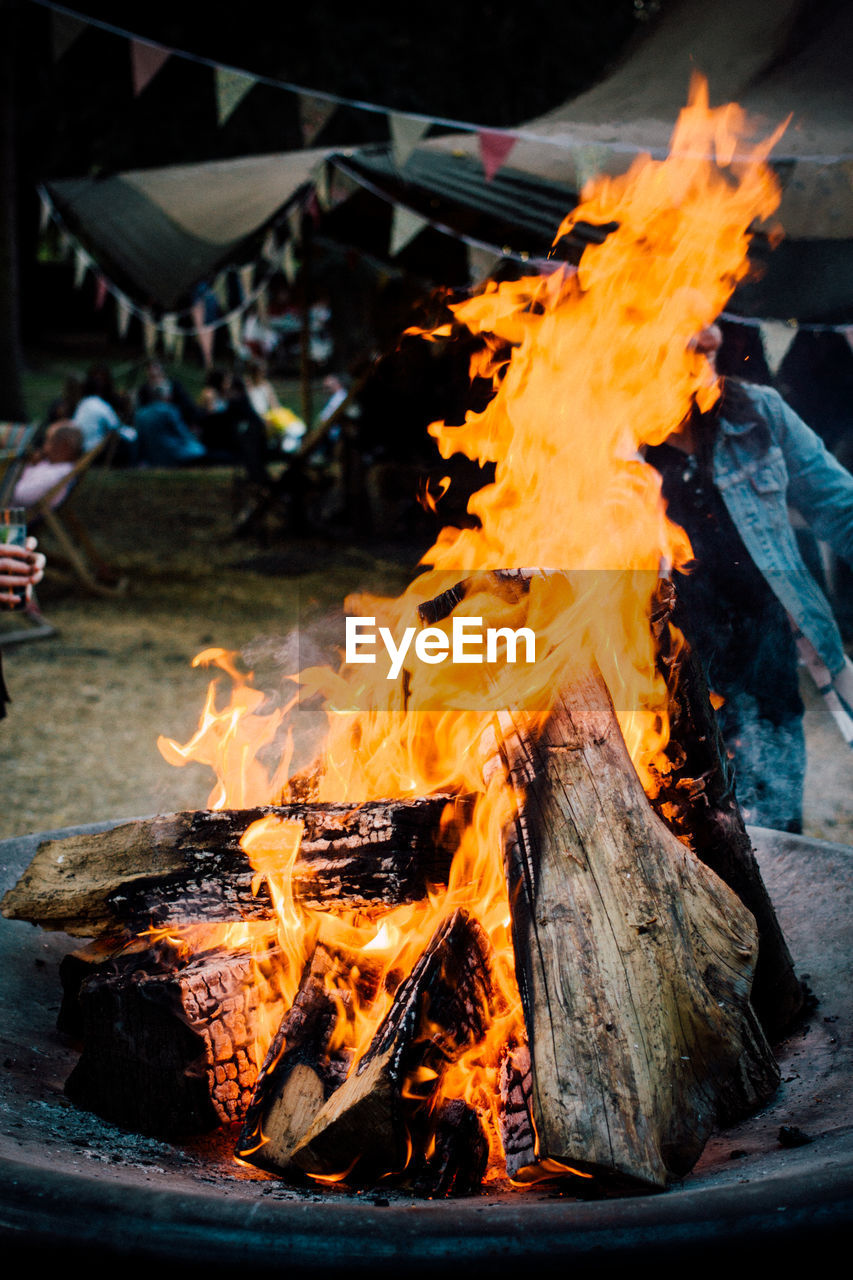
(441, 1008)
(697, 801)
(170, 1050)
(189, 867)
(634, 960)
(299, 1073)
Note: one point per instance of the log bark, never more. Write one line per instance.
(697, 801)
(170, 1051)
(299, 1073)
(365, 1122)
(188, 867)
(634, 961)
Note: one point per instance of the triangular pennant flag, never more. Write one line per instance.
(149, 333)
(589, 162)
(405, 225)
(82, 262)
(406, 133)
(776, 338)
(262, 306)
(231, 89)
(145, 61)
(235, 331)
(289, 265)
(322, 188)
(342, 187)
(100, 292)
(269, 249)
(494, 149)
(169, 331)
(314, 115)
(247, 278)
(122, 314)
(481, 262)
(44, 212)
(294, 221)
(65, 29)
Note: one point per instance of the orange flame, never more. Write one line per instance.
(588, 367)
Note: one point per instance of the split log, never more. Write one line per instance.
(189, 867)
(77, 966)
(634, 960)
(458, 1151)
(697, 801)
(299, 1073)
(365, 1122)
(170, 1050)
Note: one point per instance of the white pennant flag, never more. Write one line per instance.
(122, 314)
(405, 225)
(406, 133)
(247, 277)
(776, 338)
(44, 212)
(481, 262)
(82, 262)
(170, 332)
(269, 249)
(323, 188)
(149, 333)
(289, 265)
(231, 89)
(263, 307)
(235, 330)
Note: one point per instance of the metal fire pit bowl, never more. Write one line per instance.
(75, 1188)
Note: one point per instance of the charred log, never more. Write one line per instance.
(169, 1050)
(634, 961)
(189, 867)
(366, 1122)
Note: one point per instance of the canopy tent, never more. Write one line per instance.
(165, 230)
(774, 57)
(162, 231)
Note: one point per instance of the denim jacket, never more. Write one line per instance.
(765, 459)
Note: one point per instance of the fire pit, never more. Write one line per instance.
(76, 1186)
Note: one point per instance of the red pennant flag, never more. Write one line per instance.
(100, 292)
(145, 61)
(494, 149)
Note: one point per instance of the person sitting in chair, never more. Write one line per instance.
(63, 445)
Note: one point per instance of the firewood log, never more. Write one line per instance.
(299, 1073)
(365, 1121)
(697, 801)
(189, 867)
(634, 960)
(169, 1050)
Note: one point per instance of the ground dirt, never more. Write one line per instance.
(89, 703)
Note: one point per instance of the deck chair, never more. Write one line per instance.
(76, 547)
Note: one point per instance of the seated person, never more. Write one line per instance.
(231, 430)
(63, 445)
(159, 386)
(163, 437)
(95, 417)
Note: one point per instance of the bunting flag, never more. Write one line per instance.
(262, 307)
(65, 29)
(323, 189)
(145, 61)
(776, 338)
(122, 314)
(235, 331)
(481, 262)
(204, 334)
(314, 115)
(269, 249)
(589, 162)
(406, 133)
(289, 265)
(44, 213)
(231, 89)
(342, 186)
(170, 333)
(494, 149)
(82, 262)
(294, 222)
(100, 292)
(247, 277)
(405, 225)
(149, 334)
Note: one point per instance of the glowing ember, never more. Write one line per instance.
(588, 366)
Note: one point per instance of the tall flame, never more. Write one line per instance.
(588, 366)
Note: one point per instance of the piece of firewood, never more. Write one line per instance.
(300, 1071)
(450, 1151)
(77, 966)
(634, 960)
(697, 801)
(188, 867)
(364, 1123)
(170, 1049)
